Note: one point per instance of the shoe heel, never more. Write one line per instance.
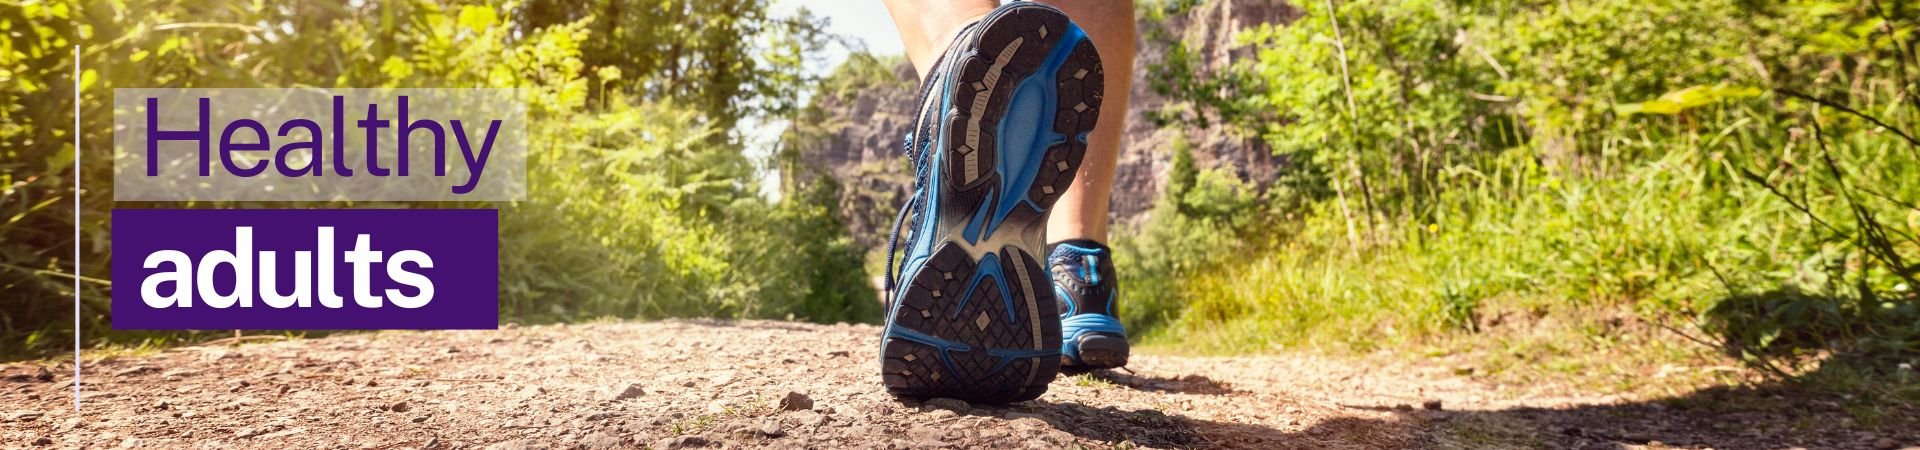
(976, 319)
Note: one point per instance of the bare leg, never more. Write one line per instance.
(1082, 210)
(927, 26)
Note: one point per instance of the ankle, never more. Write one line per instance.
(950, 26)
(953, 28)
(1080, 242)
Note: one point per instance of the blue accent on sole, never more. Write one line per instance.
(1015, 97)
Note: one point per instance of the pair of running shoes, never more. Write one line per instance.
(980, 306)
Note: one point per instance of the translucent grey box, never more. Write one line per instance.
(311, 144)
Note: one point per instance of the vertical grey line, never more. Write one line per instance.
(76, 228)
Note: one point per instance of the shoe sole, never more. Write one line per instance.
(1097, 351)
(977, 319)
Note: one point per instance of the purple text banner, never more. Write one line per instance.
(311, 269)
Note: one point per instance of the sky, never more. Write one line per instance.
(865, 21)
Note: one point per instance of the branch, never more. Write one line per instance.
(1843, 108)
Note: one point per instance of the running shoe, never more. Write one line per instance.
(1083, 281)
(1002, 127)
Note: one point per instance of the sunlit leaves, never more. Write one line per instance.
(478, 18)
(676, 231)
(1691, 97)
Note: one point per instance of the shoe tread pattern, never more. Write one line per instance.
(947, 297)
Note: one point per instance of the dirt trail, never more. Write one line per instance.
(682, 384)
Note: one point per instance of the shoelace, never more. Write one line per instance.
(920, 176)
(893, 242)
(914, 200)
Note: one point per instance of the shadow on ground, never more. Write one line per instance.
(1858, 397)
(1185, 384)
(1776, 415)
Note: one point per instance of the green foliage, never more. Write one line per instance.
(1453, 163)
(642, 203)
(638, 214)
(728, 59)
(863, 71)
(1201, 218)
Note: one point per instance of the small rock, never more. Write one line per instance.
(43, 440)
(603, 415)
(795, 401)
(1885, 444)
(283, 433)
(1431, 405)
(421, 419)
(532, 391)
(943, 414)
(399, 406)
(688, 441)
(44, 375)
(518, 444)
(770, 428)
(633, 390)
(925, 434)
(1403, 407)
(955, 405)
(1011, 415)
(602, 441)
(135, 370)
(28, 416)
(811, 419)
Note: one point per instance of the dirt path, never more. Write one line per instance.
(788, 385)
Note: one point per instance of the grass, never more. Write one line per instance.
(1088, 380)
(1631, 201)
(757, 406)
(1597, 276)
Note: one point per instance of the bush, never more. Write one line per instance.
(1456, 163)
(643, 201)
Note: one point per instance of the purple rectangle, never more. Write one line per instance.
(447, 274)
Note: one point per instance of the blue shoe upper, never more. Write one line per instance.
(918, 145)
(1083, 281)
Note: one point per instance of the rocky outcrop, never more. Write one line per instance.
(855, 136)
